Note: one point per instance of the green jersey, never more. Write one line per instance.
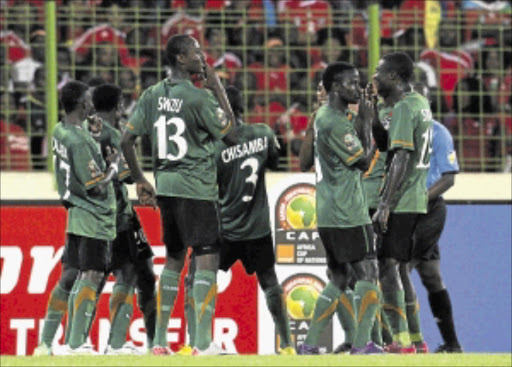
(374, 176)
(79, 167)
(411, 129)
(339, 190)
(243, 199)
(183, 122)
(111, 137)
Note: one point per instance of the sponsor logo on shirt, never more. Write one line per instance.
(350, 141)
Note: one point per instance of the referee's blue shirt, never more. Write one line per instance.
(443, 158)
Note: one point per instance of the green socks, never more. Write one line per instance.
(190, 316)
(167, 291)
(324, 309)
(277, 307)
(204, 293)
(121, 310)
(394, 308)
(413, 321)
(369, 295)
(71, 308)
(57, 306)
(84, 305)
(346, 312)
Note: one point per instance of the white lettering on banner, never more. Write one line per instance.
(21, 326)
(44, 261)
(11, 268)
(225, 332)
(302, 236)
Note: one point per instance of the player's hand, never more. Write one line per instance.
(380, 219)
(113, 156)
(146, 193)
(212, 79)
(95, 124)
(365, 107)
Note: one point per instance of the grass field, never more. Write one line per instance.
(466, 359)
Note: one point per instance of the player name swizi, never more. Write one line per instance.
(169, 104)
(245, 149)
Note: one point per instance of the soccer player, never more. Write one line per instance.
(404, 195)
(342, 152)
(346, 307)
(183, 123)
(426, 255)
(131, 260)
(85, 186)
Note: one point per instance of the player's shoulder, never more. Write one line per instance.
(257, 129)
(441, 130)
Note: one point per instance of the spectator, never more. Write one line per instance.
(475, 128)
(22, 72)
(14, 146)
(189, 19)
(128, 83)
(216, 54)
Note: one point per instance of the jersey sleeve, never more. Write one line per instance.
(345, 144)
(85, 168)
(211, 117)
(444, 151)
(401, 128)
(137, 123)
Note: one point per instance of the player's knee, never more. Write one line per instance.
(94, 276)
(367, 270)
(68, 277)
(267, 278)
(433, 282)
(126, 274)
(211, 249)
(340, 277)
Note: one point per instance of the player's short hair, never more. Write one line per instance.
(94, 81)
(401, 64)
(105, 97)
(71, 94)
(235, 100)
(329, 75)
(177, 45)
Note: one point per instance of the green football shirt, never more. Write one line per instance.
(244, 210)
(339, 192)
(374, 176)
(111, 137)
(79, 167)
(183, 123)
(411, 129)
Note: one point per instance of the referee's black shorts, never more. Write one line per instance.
(428, 231)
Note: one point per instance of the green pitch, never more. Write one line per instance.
(253, 360)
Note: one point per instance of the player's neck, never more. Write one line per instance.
(337, 103)
(74, 118)
(110, 117)
(179, 75)
(395, 95)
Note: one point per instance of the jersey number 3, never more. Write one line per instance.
(176, 138)
(253, 177)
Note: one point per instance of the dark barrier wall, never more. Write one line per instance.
(476, 264)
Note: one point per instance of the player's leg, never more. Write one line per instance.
(121, 300)
(93, 257)
(167, 288)
(329, 298)
(366, 290)
(412, 308)
(346, 312)
(57, 306)
(396, 247)
(190, 317)
(258, 256)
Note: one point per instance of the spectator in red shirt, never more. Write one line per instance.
(188, 19)
(216, 54)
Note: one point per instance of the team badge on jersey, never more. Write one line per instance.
(221, 115)
(387, 120)
(452, 157)
(94, 169)
(350, 141)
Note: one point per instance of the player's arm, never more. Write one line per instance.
(363, 126)
(442, 185)
(214, 84)
(306, 153)
(145, 191)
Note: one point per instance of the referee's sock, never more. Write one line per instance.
(165, 297)
(442, 310)
(57, 306)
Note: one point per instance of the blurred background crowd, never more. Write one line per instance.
(274, 51)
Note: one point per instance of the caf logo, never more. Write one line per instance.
(301, 292)
(296, 207)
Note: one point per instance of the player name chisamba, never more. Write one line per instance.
(244, 149)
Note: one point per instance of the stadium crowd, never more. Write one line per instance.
(273, 50)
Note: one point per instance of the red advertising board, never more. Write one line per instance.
(31, 241)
